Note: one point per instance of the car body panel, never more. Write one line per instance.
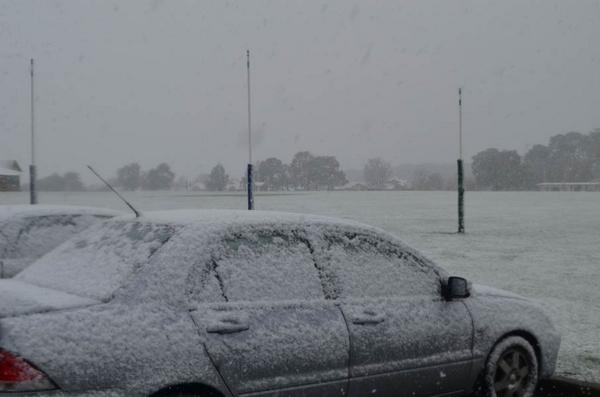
(110, 346)
(261, 344)
(419, 338)
(20, 298)
(285, 345)
(498, 313)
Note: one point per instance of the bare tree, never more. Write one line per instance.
(377, 172)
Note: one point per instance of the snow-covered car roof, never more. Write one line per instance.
(226, 218)
(214, 220)
(11, 211)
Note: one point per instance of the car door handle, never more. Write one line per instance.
(368, 317)
(227, 325)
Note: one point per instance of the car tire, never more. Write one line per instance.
(511, 369)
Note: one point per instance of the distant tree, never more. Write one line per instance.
(129, 177)
(159, 178)
(423, 180)
(377, 173)
(273, 173)
(499, 170)
(70, 181)
(52, 183)
(217, 179)
(435, 181)
(325, 172)
(569, 158)
(299, 170)
(536, 163)
(594, 153)
(310, 172)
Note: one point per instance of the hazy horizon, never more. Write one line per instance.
(154, 81)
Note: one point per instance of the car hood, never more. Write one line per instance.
(484, 290)
(18, 298)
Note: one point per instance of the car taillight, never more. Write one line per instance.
(17, 374)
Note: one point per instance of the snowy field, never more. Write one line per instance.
(543, 245)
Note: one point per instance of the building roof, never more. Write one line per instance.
(10, 168)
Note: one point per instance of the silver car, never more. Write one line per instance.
(29, 231)
(230, 303)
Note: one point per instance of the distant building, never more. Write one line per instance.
(396, 184)
(10, 176)
(593, 186)
(234, 185)
(353, 186)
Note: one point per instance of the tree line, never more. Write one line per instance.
(305, 172)
(570, 157)
(129, 177)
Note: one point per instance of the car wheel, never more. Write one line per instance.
(511, 369)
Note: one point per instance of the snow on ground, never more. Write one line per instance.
(544, 245)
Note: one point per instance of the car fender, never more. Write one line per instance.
(497, 316)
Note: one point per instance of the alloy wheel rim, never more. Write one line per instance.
(512, 378)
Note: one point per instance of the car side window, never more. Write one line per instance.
(256, 265)
(367, 266)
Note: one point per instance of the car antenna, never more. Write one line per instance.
(136, 212)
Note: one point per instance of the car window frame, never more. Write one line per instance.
(208, 266)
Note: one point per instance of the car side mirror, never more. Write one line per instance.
(456, 288)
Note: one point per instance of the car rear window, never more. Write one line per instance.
(100, 259)
(40, 234)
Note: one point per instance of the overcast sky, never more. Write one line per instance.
(153, 81)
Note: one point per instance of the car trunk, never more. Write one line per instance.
(19, 298)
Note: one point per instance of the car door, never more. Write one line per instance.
(259, 305)
(405, 339)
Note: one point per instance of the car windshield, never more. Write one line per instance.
(98, 261)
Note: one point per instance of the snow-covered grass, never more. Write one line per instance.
(544, 245)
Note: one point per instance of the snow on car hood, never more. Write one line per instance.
(484, 290)
(19, 298)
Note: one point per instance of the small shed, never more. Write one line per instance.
(10, 176)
